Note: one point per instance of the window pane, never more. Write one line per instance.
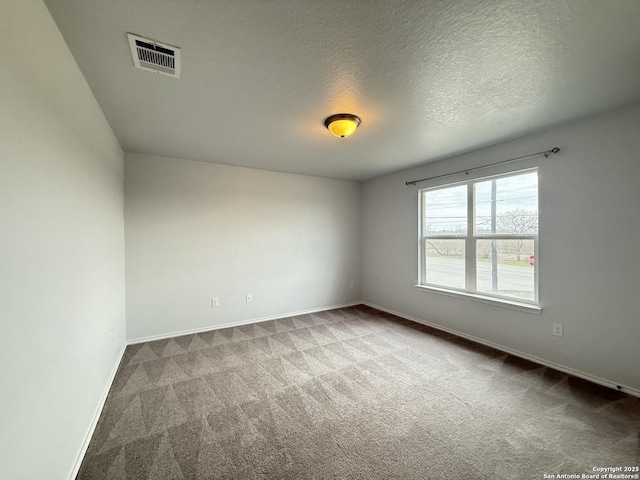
(445, 211)
(514, 267)
(516, 205)
(444, 262)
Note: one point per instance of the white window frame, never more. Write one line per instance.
(470, 239)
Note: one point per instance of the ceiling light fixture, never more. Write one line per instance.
(342, 124)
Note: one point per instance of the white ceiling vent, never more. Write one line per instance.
(155, 56)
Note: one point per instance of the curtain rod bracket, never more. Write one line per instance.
(549, 152)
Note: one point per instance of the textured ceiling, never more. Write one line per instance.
(429, 79)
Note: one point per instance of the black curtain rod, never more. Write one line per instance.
(546, 153)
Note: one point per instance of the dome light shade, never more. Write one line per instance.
(342, 125)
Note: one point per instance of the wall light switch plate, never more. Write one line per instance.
(249, 298)
(557, 329)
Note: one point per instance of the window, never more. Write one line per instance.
(481, 237)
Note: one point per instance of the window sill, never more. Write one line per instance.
(500, 302)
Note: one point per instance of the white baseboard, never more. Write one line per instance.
(236, 324)
(96, 417)
(541, 361)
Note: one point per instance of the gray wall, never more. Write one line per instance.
(589, 261)
(61, 249)
(196, 230)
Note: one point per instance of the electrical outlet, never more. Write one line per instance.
(352, 284)
(249, 298)
(113, 334)
(557, 329)
(215, 302)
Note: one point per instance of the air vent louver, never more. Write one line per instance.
(155, 56)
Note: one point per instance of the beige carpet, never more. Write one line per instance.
(351, 393)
